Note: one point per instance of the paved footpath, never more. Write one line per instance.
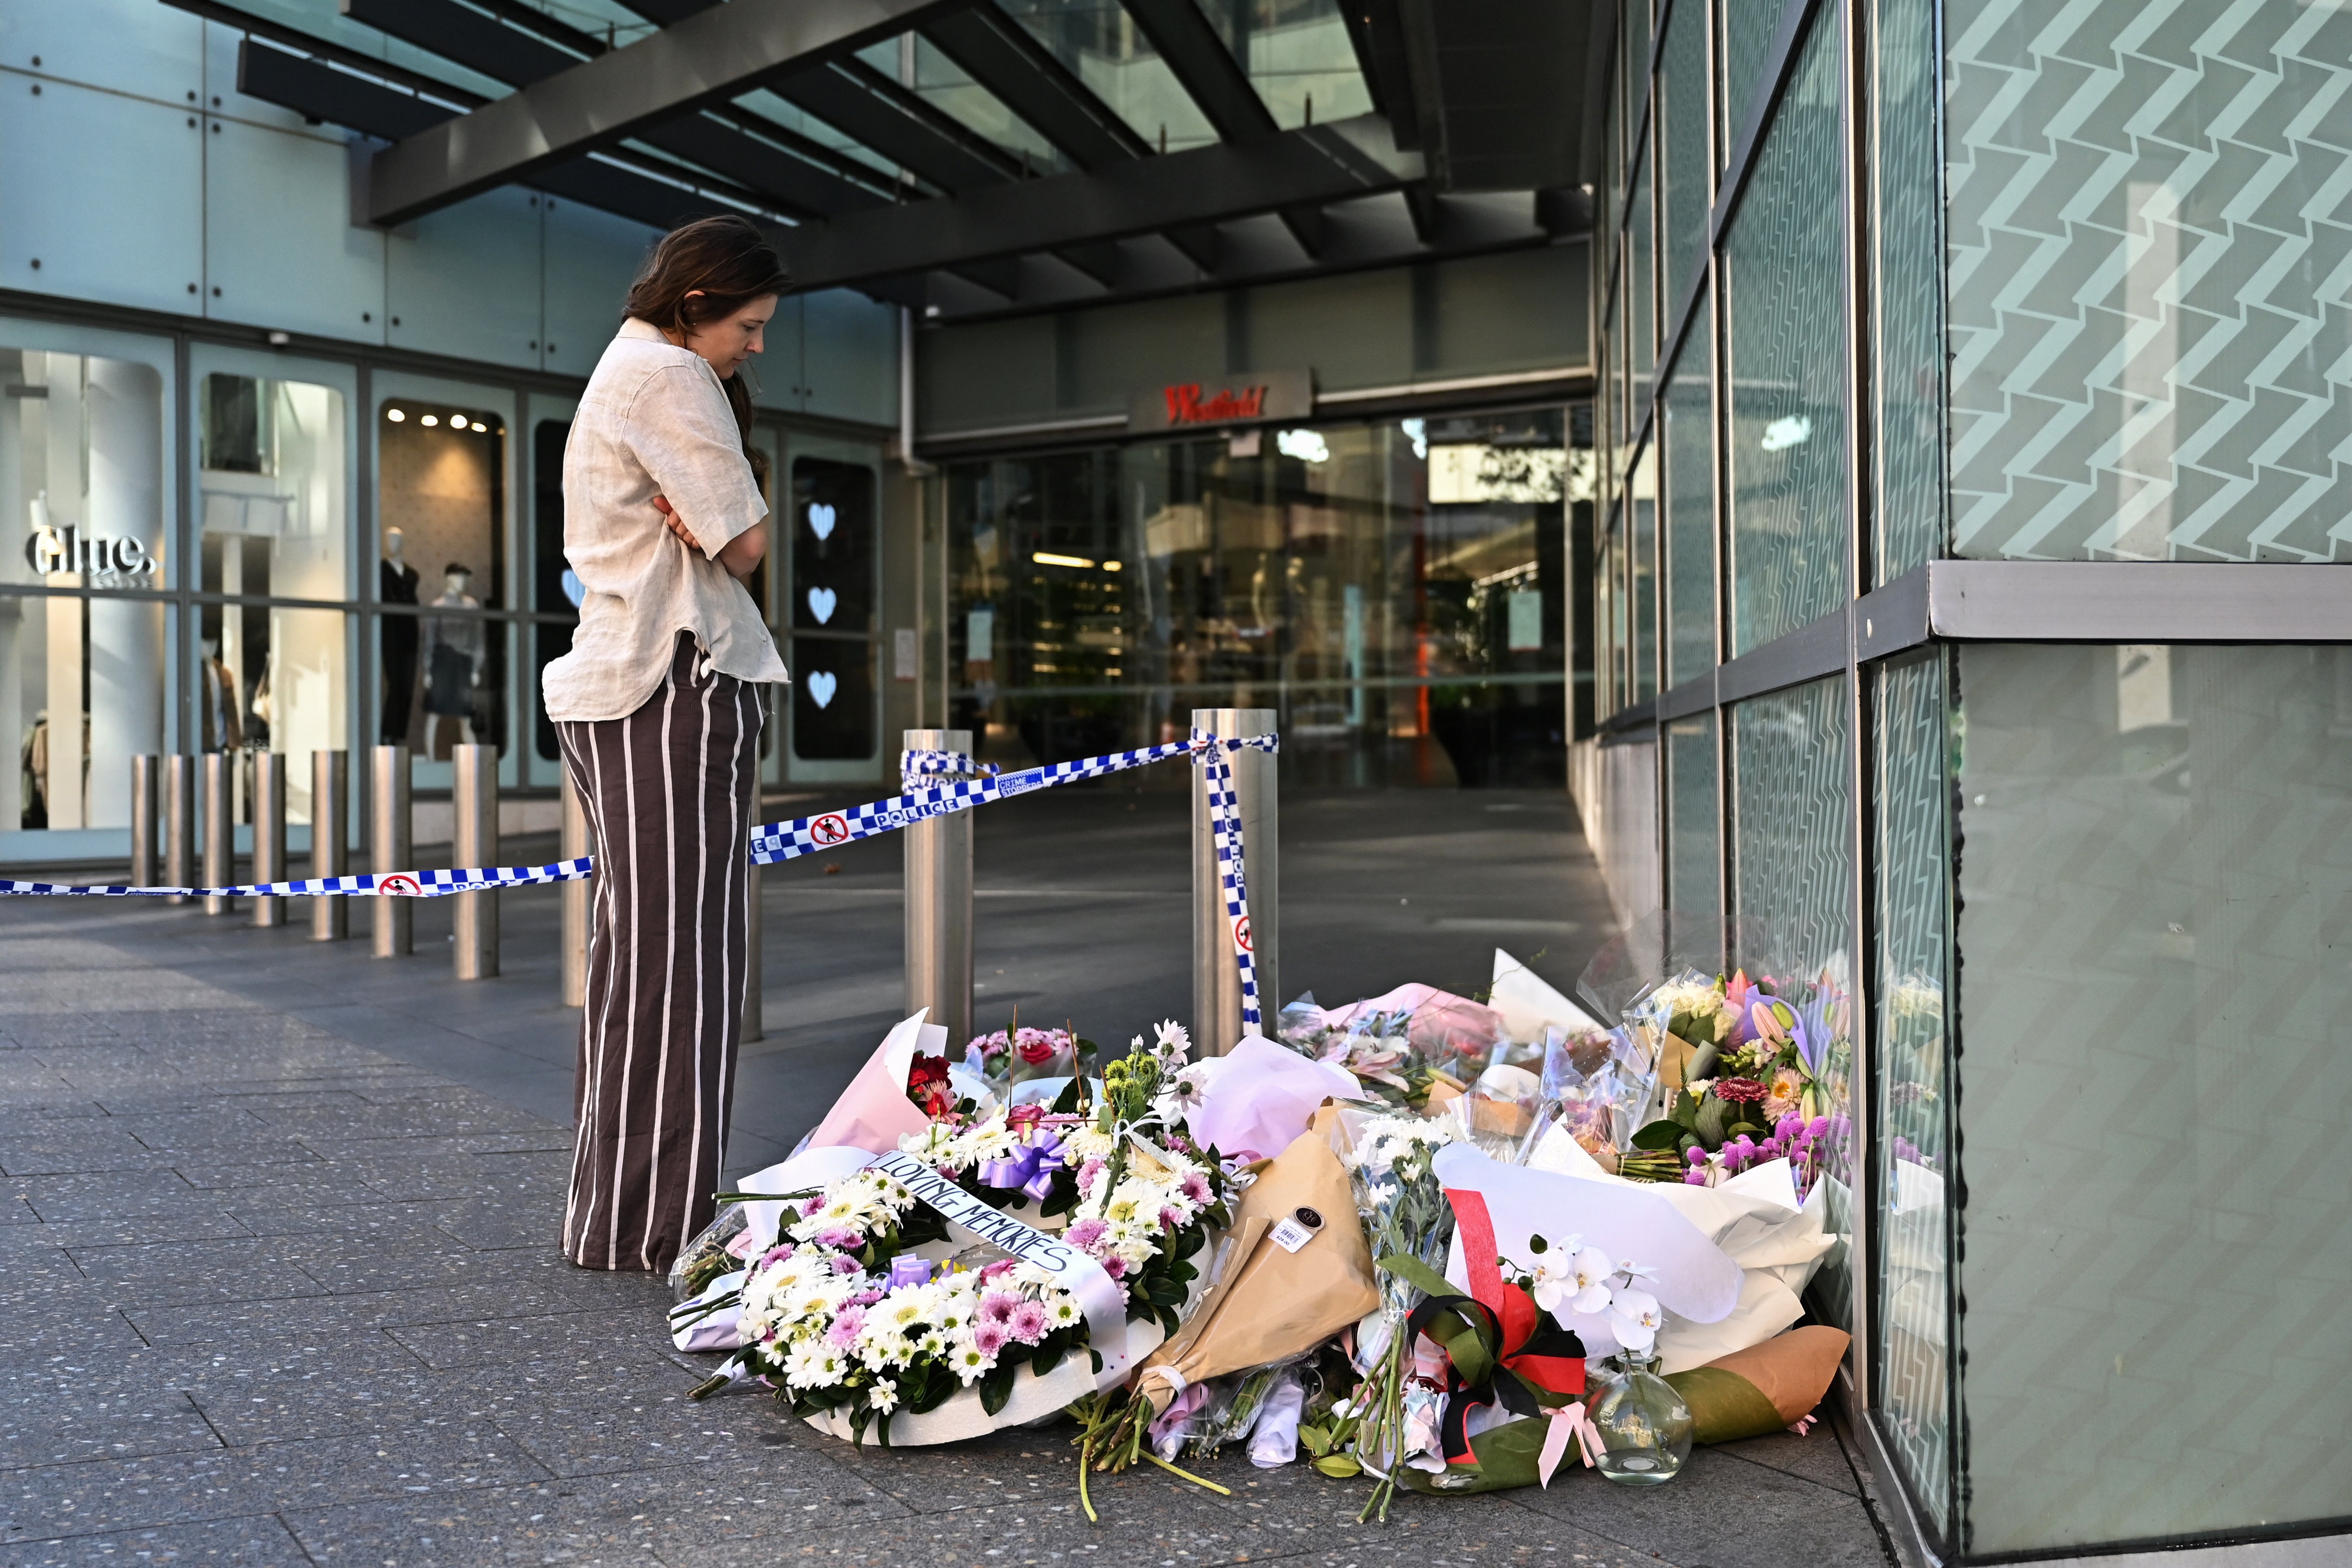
(271, 1296)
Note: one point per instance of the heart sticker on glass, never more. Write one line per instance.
(820, 520)
(821, 604)
(821, 687)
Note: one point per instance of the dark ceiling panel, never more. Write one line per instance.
(1202, 185)
(465, 36)
(1499, 86)
(852, 107)
(999, 54)
(707, 58)
(1206, 69)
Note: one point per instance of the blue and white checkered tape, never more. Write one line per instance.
(808, 835)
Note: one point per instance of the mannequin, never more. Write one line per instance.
(453, 664)
(224, 707)
(397, 585)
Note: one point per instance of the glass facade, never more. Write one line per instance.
(1396, 590)
(2076, 913)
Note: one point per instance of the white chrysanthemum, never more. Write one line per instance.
(883, 1395)
(1063, 1311)
(1087, 1143)
(970, 1365)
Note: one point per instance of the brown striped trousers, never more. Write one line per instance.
(667, 791)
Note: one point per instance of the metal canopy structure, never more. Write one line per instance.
(975, 158)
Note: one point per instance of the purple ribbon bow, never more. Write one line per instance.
(909, 1270)
(1030, 1168)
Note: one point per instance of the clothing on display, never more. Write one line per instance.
(397, 585)
(224, 715)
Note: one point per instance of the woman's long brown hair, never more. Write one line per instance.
(726, 263)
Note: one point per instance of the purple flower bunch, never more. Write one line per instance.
(1793, 1138)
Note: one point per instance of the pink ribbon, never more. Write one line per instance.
(1566, 1422)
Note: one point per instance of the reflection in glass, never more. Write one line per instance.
(1694, 823)
(1690, 507)
(2155, 1019)
(1792, 882)
(1746, 32)
(1682, 151)
(1785, 265)
(1913, 1141)
(1641, 293)
(946, 87)
(1394, 590)
(81, 680)
(1297, 55)
(1909, 238)
(1641, 499)
(441, 507)
(1101, 45)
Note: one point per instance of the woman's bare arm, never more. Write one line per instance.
(738, 557)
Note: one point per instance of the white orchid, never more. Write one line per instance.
(1634, 1317)
(1578, 1283)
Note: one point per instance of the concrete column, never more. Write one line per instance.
(330, 816)
(474, 803)
(1216, 979)
(389, 847)
(937, 880)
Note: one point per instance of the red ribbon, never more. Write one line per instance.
(1520, 1318)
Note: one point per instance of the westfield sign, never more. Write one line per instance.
(1186, 407)
(1265, 396)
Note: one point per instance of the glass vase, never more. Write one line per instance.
(1646, 1427)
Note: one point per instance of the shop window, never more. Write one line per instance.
(442, 549)
(81, 673)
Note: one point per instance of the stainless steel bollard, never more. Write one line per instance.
(474, 803)
(146, 771)
(218, 806)
(389, 847)
(937, 880)
(331, 790)
(179, 829)
(753, 998)
(576, 897)
(269, 832)
(1216, 979)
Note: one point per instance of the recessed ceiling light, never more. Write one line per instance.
(394, 415)
(479, 425)
(430, 420)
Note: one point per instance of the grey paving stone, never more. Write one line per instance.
(353, 1117)
(14, 1210)
(352, 1217)
(41, 1428)
(50, 1500)
(298, 1167)
(465, 1305)
(159, 1193)
(418, 1147)
(70, 1320)
(628, 1519)
(1720, 1512)
(196, 1274)
(488, 1341)
(404, 1178)
(261, 1541)
(200, 1224)
(593, 1420)
(85, 1148)
(1816, 1456)
(487, 1224)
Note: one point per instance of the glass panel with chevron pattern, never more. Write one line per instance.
(2154, 1027)
(2151, 349)
(1792, 882)
(1784, 258)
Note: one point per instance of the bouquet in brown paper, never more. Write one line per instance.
(1297, 1270)
(1763, 1389)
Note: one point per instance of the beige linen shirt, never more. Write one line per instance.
(654, 422)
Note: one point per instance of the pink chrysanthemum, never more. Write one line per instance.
(1115, 1266)
(996, 1307)
(1196, 1190)
(1030, 1323)
(1087, 1234)
(843, 1333)
(988, 1338)
(1170, 1219)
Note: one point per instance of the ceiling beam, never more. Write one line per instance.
(1204, 67)
(319, 91)
(873, 120)
(998, 53)
(703, 60)
(1329, 162)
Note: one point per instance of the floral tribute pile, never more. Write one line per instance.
(1445, 1248)
(865, 1306)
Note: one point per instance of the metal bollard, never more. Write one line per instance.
(180, 828)
(576, 895)
(1216, 979)
(937, 880)
(474, 803)
(146, 776)
(331, 788)
(388, 836)
(219, 835)
(269, 832)
(753, 999)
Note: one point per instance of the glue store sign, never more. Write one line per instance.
(49, 549)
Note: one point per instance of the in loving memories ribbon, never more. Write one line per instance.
(786, 841)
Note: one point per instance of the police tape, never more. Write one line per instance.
(770, 845)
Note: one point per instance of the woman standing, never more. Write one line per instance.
(658, 709)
